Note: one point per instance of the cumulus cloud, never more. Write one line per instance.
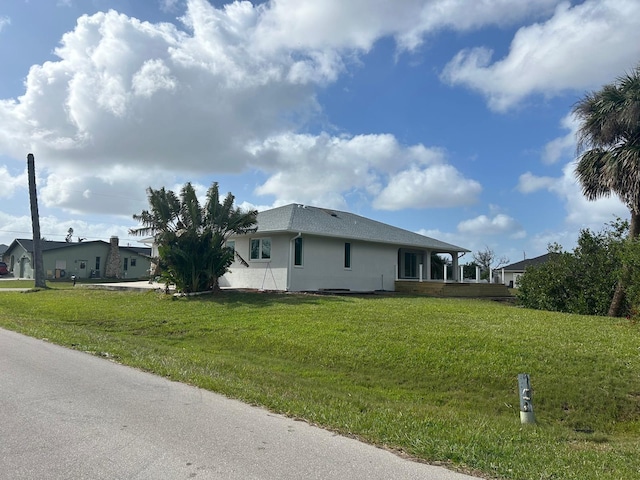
(431, 186)
(322, 169)
(564, 146)
(358, 24)
(11, 183)
(529, 183)
(229, 89)
(579, 47)
(499, 224)
(580, 211)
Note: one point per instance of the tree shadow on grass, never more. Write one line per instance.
(261, 298)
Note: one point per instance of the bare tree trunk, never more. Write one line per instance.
(38, 268)
(617, 302)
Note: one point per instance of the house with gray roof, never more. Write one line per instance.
(87, 259)
(511, 273)
(304, 248)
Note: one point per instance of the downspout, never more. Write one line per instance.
(291, 255)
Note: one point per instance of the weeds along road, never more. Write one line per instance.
(65, 414)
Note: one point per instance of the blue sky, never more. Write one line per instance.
(450, 118)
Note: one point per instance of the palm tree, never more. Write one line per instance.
(191, 239)
(609, 153)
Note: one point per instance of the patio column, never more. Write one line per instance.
(461, 279)
(428, 265)
(477, 274)
(454, 270)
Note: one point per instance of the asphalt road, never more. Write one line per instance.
(69, 415)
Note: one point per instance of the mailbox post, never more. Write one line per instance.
(526, 404)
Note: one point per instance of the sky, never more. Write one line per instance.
(450, 118)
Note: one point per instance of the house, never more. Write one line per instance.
(510, 274)
(3, 248)
(303, 248)
(88, 259)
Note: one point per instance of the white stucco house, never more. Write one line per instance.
(303, 248)
(510, 274)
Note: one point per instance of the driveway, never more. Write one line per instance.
(66, 414)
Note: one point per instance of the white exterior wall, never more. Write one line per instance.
(261, 274)
(512, 276)
(372, 265)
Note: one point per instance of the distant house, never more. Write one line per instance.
(304, 248)
(3, 248)
(97, 259)
(511, 273)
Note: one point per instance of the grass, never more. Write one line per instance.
(433, 378)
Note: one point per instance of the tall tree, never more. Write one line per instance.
(38, 267)
(609, 154)
(487, 260)
(191, 238)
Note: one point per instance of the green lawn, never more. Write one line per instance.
(434, 378)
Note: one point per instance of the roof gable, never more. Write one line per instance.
(296, 218)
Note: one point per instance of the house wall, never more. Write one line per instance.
(512, 276)
(372, 265)
(79, 260)
(17, 258)
(261, 274)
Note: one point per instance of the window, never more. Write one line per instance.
(260, 249)
(232, 245)
(126, 264)
(97, 264)
(133, 262)
(410, 265)
(347, 255)
(297, 252)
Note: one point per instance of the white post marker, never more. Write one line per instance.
(526, 405)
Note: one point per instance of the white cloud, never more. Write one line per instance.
(565, 146)
(169, 5)
(4, 21)
(56, 228)
(358, 24)
(226, 92)
(499, 224)
(321, 170)
(10, 183)
(430, 186)
(580, 211)
(580, 47)
(529, 183)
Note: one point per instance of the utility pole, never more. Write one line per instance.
(38, 267)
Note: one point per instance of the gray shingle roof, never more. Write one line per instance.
(521, 265)
(296, 218)
(47, 245)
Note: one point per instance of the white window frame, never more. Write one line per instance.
(347, 255)
(301, 242)
(262, 243)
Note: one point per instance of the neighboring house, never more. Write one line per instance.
(303, 248)
(88, 259)
(511, 273)
(3, 248)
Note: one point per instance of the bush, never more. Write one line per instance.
(579, 282)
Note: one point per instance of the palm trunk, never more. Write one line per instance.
(38, 268)
(617, 302)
